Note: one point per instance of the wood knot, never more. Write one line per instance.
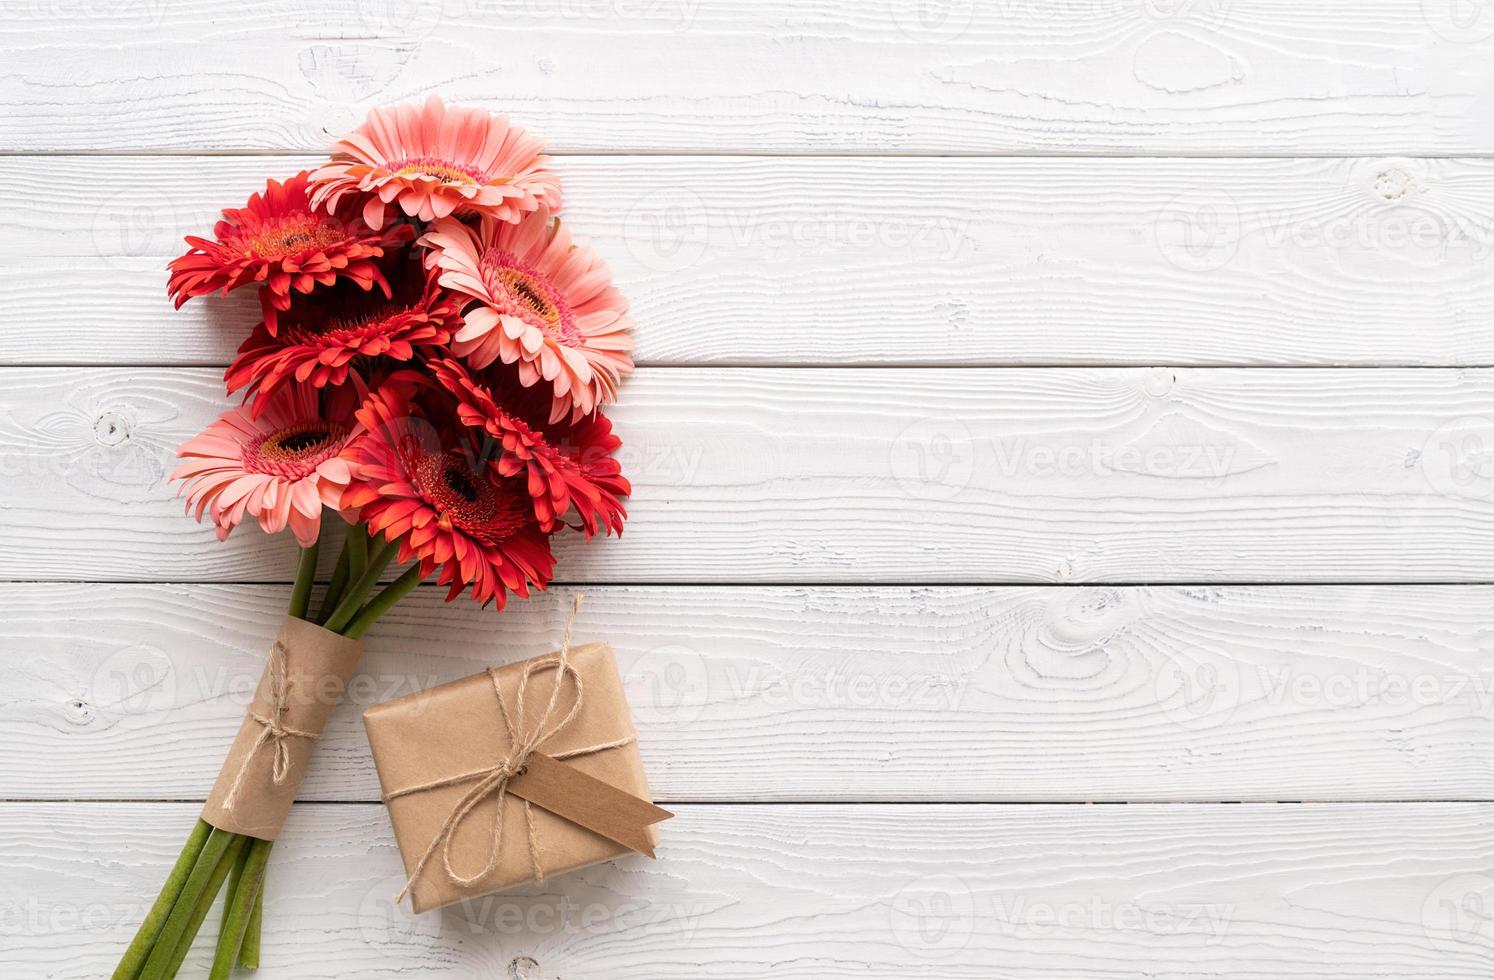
(523, 968)
(1393, 184)
(111, 429)
(79, 712)
(1159, 381)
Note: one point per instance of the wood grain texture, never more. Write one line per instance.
(818, 892)
(812, 204)
(1200, 76)
(860, 261)
(862, 475)
(845, 694)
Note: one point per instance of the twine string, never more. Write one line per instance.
(273, 730)
(493, 780)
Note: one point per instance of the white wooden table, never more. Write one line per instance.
(1042, 404)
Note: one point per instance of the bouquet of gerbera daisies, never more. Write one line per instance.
(431, 364)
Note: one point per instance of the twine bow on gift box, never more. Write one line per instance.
(273, 731)
(546, 781)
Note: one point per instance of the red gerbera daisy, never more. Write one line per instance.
(277, 240)
(319, 339)
(564, 466)
(432, 494)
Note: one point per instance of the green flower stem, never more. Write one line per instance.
(358, 591)
(305, 572)
(249, 951)
(358, 549)
(204, 904)
(383, 602)
(235, 884)
(203, 882)
(337, 585)
(235, 881)
(134, 958)
(239, 907)
(176, 923)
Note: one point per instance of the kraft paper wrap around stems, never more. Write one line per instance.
(304, 678)
(456, 729)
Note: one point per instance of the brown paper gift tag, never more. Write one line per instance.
(316, 666)
(457, 728)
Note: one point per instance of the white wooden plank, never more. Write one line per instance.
(861, 475)
(847, 694)
(817, 892)
(860, 261)
(1199, 76)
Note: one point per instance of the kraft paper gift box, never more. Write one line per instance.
(449, 762)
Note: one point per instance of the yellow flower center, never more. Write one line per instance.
(446, 171)
(529, 294)
(290, 235)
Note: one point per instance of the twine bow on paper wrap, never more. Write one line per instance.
(539, 779)
(274, 730)
(305, 674)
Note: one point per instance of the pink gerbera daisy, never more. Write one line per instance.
(432, 493)
(280, 242)
(564, 466)
(543, 303)
(321, 338)
(434, 161)
(280, 468)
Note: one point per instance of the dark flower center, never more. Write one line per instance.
(461, 483)
(352, 324)
(466, 498)
(299, 442)
(347, 317)
(529, 294)
(294, 451)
